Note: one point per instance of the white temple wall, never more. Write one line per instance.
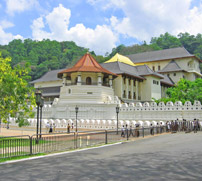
(103, 116)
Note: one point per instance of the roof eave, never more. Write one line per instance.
(167, 59)
(137, 77)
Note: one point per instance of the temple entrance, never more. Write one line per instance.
(88, 81)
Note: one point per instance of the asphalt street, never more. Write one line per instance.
(166, 157)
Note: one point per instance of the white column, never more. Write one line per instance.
(110, 81)
(63, 80)
(79, 79)
(99, 79)
(136, 90)
(127, 88)
(132, 89)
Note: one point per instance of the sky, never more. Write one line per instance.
(99, 25)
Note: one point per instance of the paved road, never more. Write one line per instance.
(166, 157)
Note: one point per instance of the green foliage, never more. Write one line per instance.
(166, 41)
(15, 94)
(185, 90)
(49, 55)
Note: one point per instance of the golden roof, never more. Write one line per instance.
(120, 58)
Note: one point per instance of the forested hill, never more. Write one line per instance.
(50, 55)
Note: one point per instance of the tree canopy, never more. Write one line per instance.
(48, 54)
(16, 97)
(185, 90)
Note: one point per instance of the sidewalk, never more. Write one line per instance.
(12, 132)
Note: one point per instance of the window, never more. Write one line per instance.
(134, 82)
(168, 75)
(88, 81)
(153, 68)
(174, 74)
(129, 81)
(159, 67)
(129, 95)
(134, 95)
(157, 82)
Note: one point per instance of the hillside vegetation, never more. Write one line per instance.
(50, 55)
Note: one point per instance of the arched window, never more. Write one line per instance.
(88, 81)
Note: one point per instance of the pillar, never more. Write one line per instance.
(110, 80)
(127, 88)
(99, 79)
(79, 79)
(136, 90)
(132, 88)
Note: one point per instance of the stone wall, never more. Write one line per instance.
(103, 116)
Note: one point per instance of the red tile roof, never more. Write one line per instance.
(86, 64)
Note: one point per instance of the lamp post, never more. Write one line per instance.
(41, 106)
(117, 113)
(76, 110)
(38, 102)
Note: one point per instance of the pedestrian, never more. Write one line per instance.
(161, 127)
(54, 127)
(131, 131)
(169, 126)
(137, 132)
(157, 128)
(151, 129)
(195, 126)
(47, 127)
(72, 126)
(123, 131)
(126, 131)
(68, 128)
(51, 128)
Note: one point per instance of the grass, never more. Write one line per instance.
(18, 142)
(20, 157)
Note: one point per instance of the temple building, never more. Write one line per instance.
(133, 78)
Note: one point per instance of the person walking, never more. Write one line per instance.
(51, 128)
(123, 131)
(137, 133)
(151, 129)
(47, 127)
(68, 128)
(126, 131)
(131, 131)
(54, 127)
(195, 126)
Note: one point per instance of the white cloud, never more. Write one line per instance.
(145, 19)
(5, 38)
(6, 24)
(19, 5)
(101, 39)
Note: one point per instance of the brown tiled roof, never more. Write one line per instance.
(86, 64)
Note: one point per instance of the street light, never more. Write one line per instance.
(38, 102)
(117, 113)
(76, 110)
(41, 106)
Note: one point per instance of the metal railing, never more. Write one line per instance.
(29, 145)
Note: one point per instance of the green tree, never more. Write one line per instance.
(166, 41)
(185, 90)
(16, 97)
